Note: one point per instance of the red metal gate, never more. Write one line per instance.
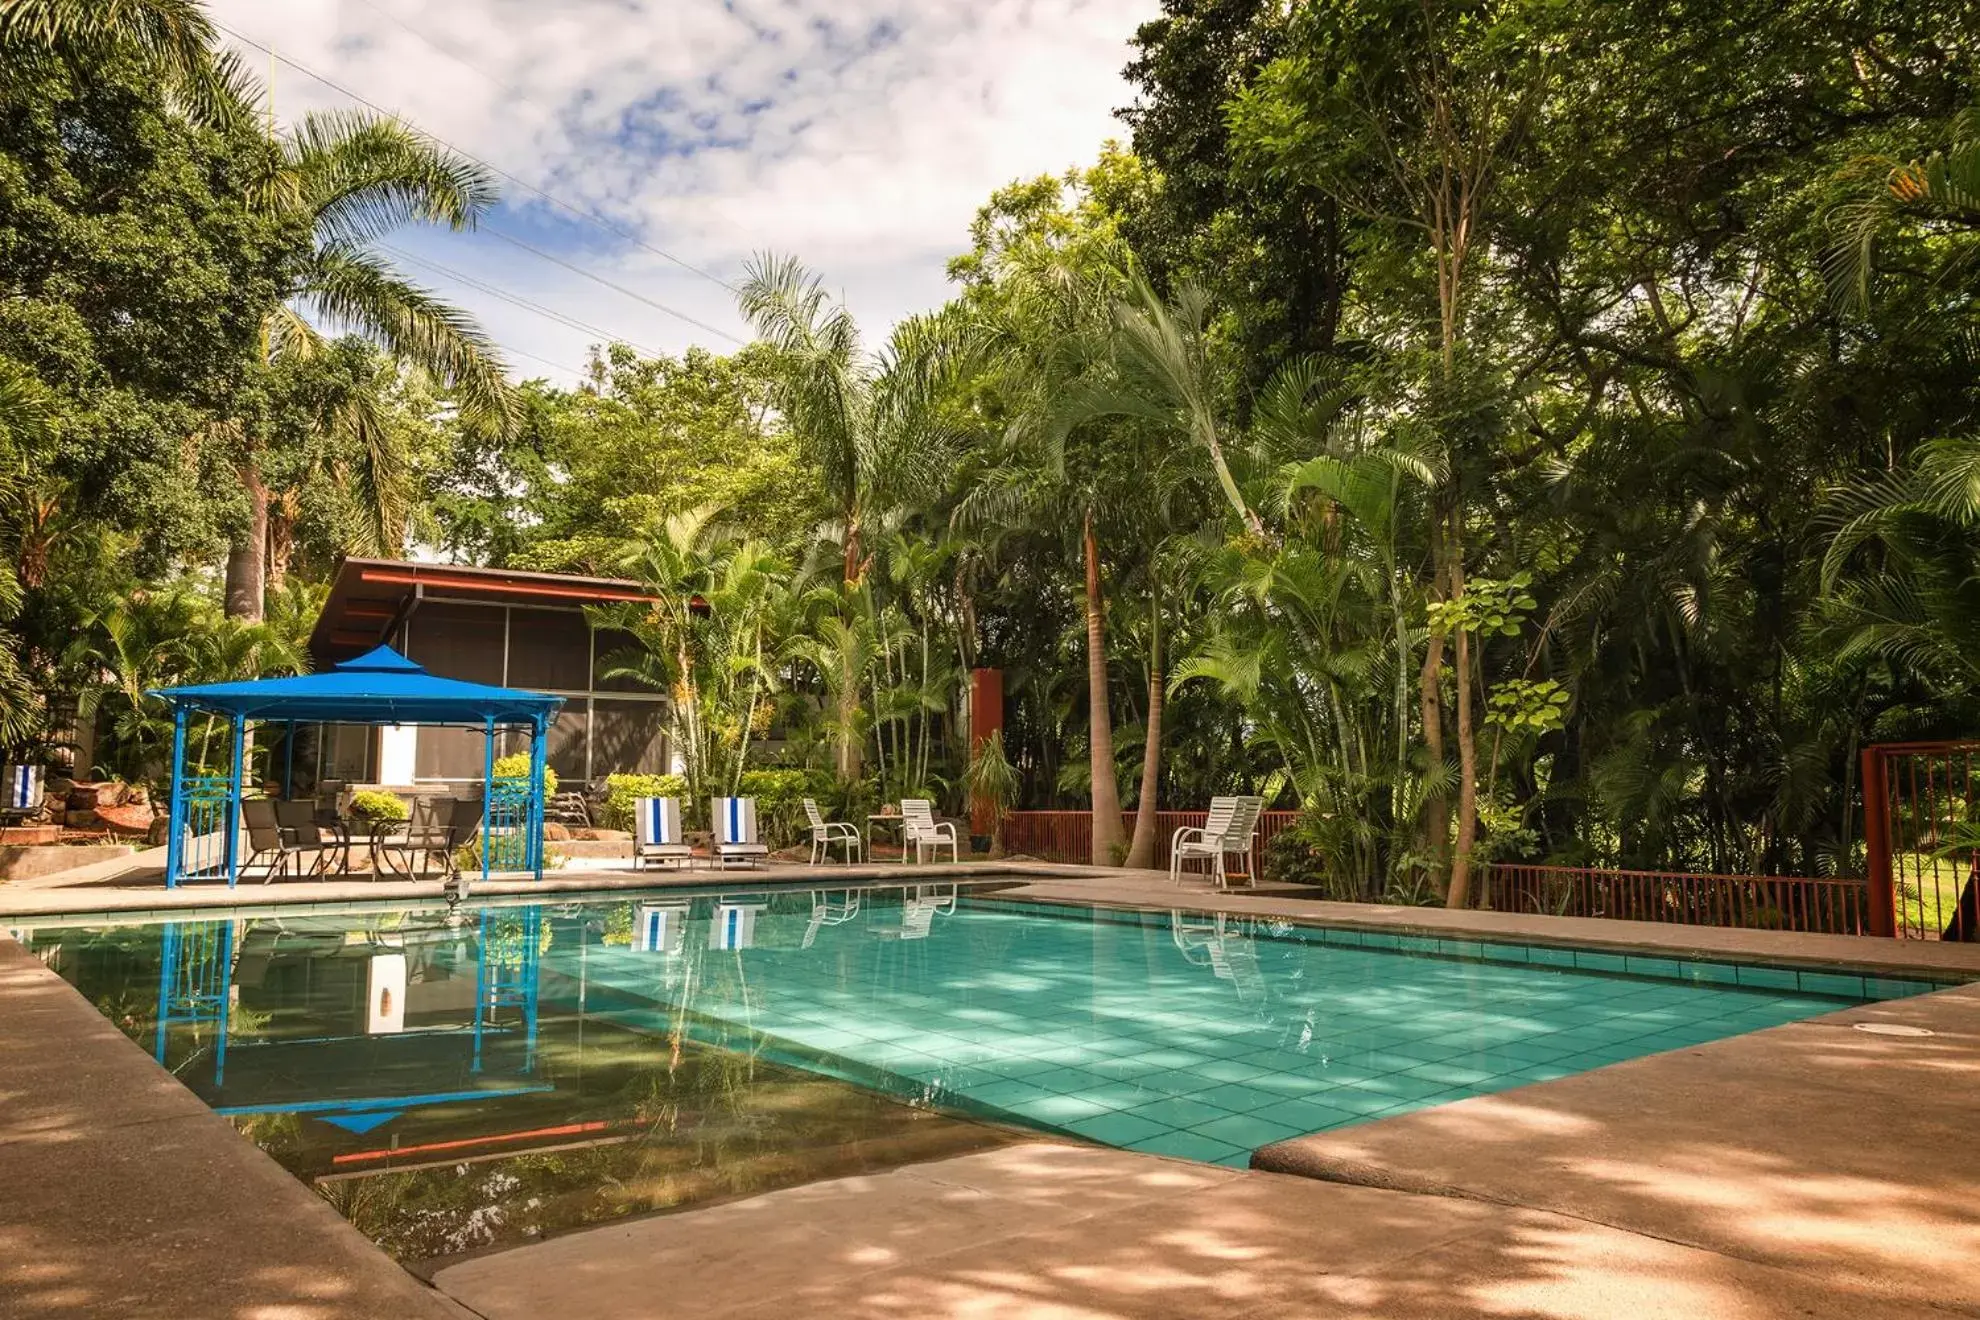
(1921, 837)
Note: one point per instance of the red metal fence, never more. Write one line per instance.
(1921, 833)
(1818, 906)
(1067, 836)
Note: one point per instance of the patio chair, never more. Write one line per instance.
(920, 828)
(657, 835)
(24, 795)
(1229, 829)
(427, 834)
(735, 832)
(825, 833)
(450, 824)
(302, 830)
(268, 846)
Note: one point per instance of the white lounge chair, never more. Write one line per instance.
(734, 819)
(1229, 830)
(657, 833)
(825, 833)
(920, 828)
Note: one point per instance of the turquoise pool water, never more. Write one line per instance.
(694, 1046)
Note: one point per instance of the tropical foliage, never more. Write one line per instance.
(1499, 429)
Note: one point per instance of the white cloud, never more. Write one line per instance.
(859, 135)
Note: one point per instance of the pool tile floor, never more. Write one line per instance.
(1184, 1035)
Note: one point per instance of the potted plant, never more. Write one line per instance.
(992, 783)
(372, 807)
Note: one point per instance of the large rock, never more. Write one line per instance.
(81, 820)
(130, 819)
(555, 833)
(82, 797)
(160, 832)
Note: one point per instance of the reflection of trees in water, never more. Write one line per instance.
(695, 1126)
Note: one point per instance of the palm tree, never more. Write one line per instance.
(174, 36)
(1941, 190)
(349, 178)
(825, 386)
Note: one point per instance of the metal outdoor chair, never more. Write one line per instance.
(268, 846)
(302, 830)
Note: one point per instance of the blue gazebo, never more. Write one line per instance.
(378, 688)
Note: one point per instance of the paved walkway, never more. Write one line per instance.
(1812, 1170)
(121, 1195)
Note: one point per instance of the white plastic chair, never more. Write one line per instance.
(825, 833)
(919, 827)
(657, 833)
(1229, 829)
(734, 819)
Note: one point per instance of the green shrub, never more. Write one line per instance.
(376, 804)
(516, 766)
(621, 791)
(780, 796)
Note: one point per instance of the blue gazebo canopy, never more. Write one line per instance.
(378, 687)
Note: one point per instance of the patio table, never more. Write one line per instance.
(880, 818)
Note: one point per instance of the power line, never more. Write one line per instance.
(493, 232)
(517, 300)
(453, 54)
(580, 212)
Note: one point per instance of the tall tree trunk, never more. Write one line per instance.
(1141, 850)
(247, 560)
(852, 547)
(281, 541)
(1436, 807)
(1108, 836)
(1459, 894)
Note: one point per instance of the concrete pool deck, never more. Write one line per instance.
(1809, 1170)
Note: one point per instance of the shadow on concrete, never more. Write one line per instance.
(121, 1195)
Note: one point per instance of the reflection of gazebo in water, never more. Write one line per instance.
(351, 1036)
(380, 687)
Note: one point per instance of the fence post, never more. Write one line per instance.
(1882, 893)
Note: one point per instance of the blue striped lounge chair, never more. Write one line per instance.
(657, 836)
(24, 794)
(735, 832)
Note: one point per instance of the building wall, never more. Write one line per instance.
(606, 726)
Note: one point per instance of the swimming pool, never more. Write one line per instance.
(460, 1078)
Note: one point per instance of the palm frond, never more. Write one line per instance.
(359, 176)
(354, 290)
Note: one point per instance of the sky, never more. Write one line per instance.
(858, 135)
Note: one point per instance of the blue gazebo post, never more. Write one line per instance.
(234, 801)
(487, 796)
(289, 761)
(539, 757)
(176, 808)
